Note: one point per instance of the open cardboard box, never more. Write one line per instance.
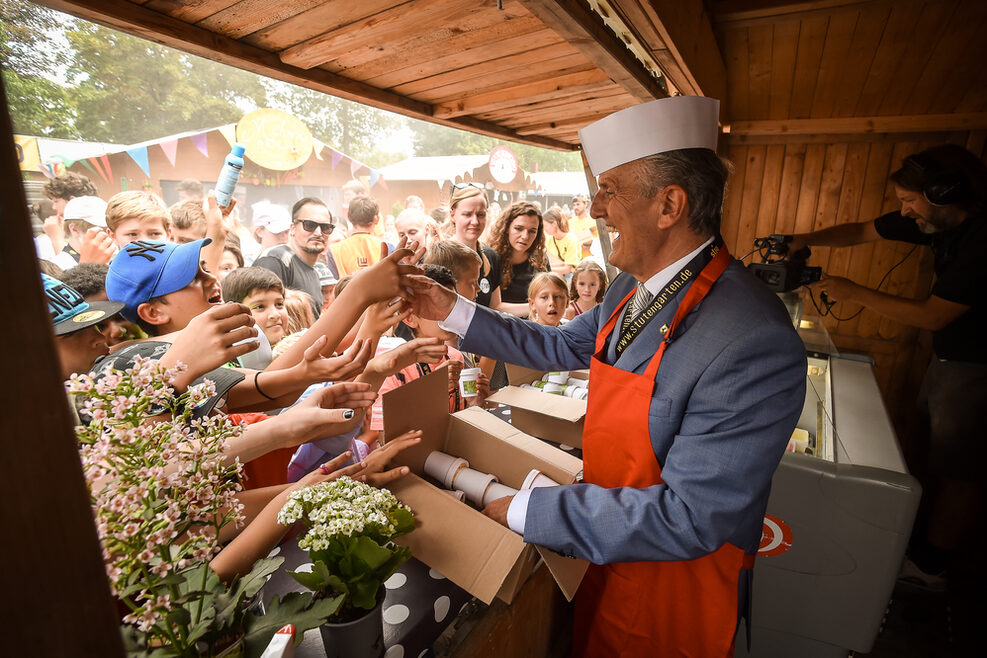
(554, 418)
(478, 554)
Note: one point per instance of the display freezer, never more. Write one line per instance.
(838, 520)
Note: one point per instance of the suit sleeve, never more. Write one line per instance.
(507, 338)
(717, 473)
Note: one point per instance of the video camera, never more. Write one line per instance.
(785, 271)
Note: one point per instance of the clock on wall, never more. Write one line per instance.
(503, 164)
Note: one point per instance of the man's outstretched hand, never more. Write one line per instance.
(429, 299)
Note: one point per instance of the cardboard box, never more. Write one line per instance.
(478, 554)
(554, 418)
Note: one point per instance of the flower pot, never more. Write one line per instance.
(360, 638)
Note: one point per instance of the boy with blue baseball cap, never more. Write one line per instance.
(162, 284)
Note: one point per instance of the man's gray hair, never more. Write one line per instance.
(700, 172)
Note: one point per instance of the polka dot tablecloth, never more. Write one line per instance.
(419, 604)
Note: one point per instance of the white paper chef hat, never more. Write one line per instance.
(667, 124)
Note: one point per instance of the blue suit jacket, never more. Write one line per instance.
(729, 391)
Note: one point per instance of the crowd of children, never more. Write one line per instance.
(131, 279)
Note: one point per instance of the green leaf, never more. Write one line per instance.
(178, 616)
(404, 522)
(309, 579)
(297, 608)
(363, 594)
(370, 552)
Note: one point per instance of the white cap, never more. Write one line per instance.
(273, 217)
(667, 124)
(90, 209)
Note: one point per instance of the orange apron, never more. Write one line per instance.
(637, 609)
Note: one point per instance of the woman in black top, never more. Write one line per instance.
(468, 214)
(519, 240)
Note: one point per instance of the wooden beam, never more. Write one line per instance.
(159, 28)
(741, 13)
(56, 596)
(380, 28)
(587, 32)
(923, 123)
(532, 92)
(690, 56)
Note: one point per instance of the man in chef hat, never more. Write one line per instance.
(697, 379)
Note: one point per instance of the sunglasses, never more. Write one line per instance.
(310, 226)
(463, 186)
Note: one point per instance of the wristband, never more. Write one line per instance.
(257, 385)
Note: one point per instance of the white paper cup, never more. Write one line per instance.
(560, 377)
(474, 484)
(573, 381)
(458, 495)
(443, 467)
(467, 382)
(580, 393)
(556, 389)
(530, 387)
(497, 490)
(537, 479)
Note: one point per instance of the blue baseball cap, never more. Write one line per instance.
(146, 269)
(70, 312)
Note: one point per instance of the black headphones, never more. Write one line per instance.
(942, 186)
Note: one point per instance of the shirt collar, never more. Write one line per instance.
(662, 278)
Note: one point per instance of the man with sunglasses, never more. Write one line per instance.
(294, 263)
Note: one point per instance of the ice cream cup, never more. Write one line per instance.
(574, 381)
(467, 382)
(474, 484)
(497, 490)
(444, 467)
(556, 389)
(560, 377)
(538, 479)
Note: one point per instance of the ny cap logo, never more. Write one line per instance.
(144, 248)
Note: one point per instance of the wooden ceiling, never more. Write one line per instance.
(536, 71)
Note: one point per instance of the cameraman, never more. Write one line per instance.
(943, 196)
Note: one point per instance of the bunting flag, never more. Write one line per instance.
(317, 146)
(354, 167)
(139, 156)
(229, 132)
(47, 169)
(170, 148)
(65, 161)
(200, 142)
(88, 166)
(373, 177)
(336, 156)
(106, 164)
(98, 168)
(383, 183)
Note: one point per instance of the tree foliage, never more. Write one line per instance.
(74, 79)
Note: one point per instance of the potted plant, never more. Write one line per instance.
(350, 528)
(161, 494)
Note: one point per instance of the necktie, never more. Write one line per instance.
(640, 301)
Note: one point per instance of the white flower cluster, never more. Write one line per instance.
(341, 507)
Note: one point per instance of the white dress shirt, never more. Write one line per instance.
(458, 322)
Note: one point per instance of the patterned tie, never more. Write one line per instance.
(640, 301)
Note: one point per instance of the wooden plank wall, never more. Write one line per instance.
(795, 185)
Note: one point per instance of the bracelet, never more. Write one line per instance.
(257, 385)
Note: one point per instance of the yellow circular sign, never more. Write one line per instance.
(274, 139)
(87, 316)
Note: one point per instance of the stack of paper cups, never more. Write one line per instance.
(538, 479)
(575, 381)
(443, 467)
(474, 484)
(497, 490)
(458, 495)
(554, 389)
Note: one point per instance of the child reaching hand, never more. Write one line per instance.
(547, 298)
(589, 283)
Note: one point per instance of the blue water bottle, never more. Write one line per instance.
(229, 175)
